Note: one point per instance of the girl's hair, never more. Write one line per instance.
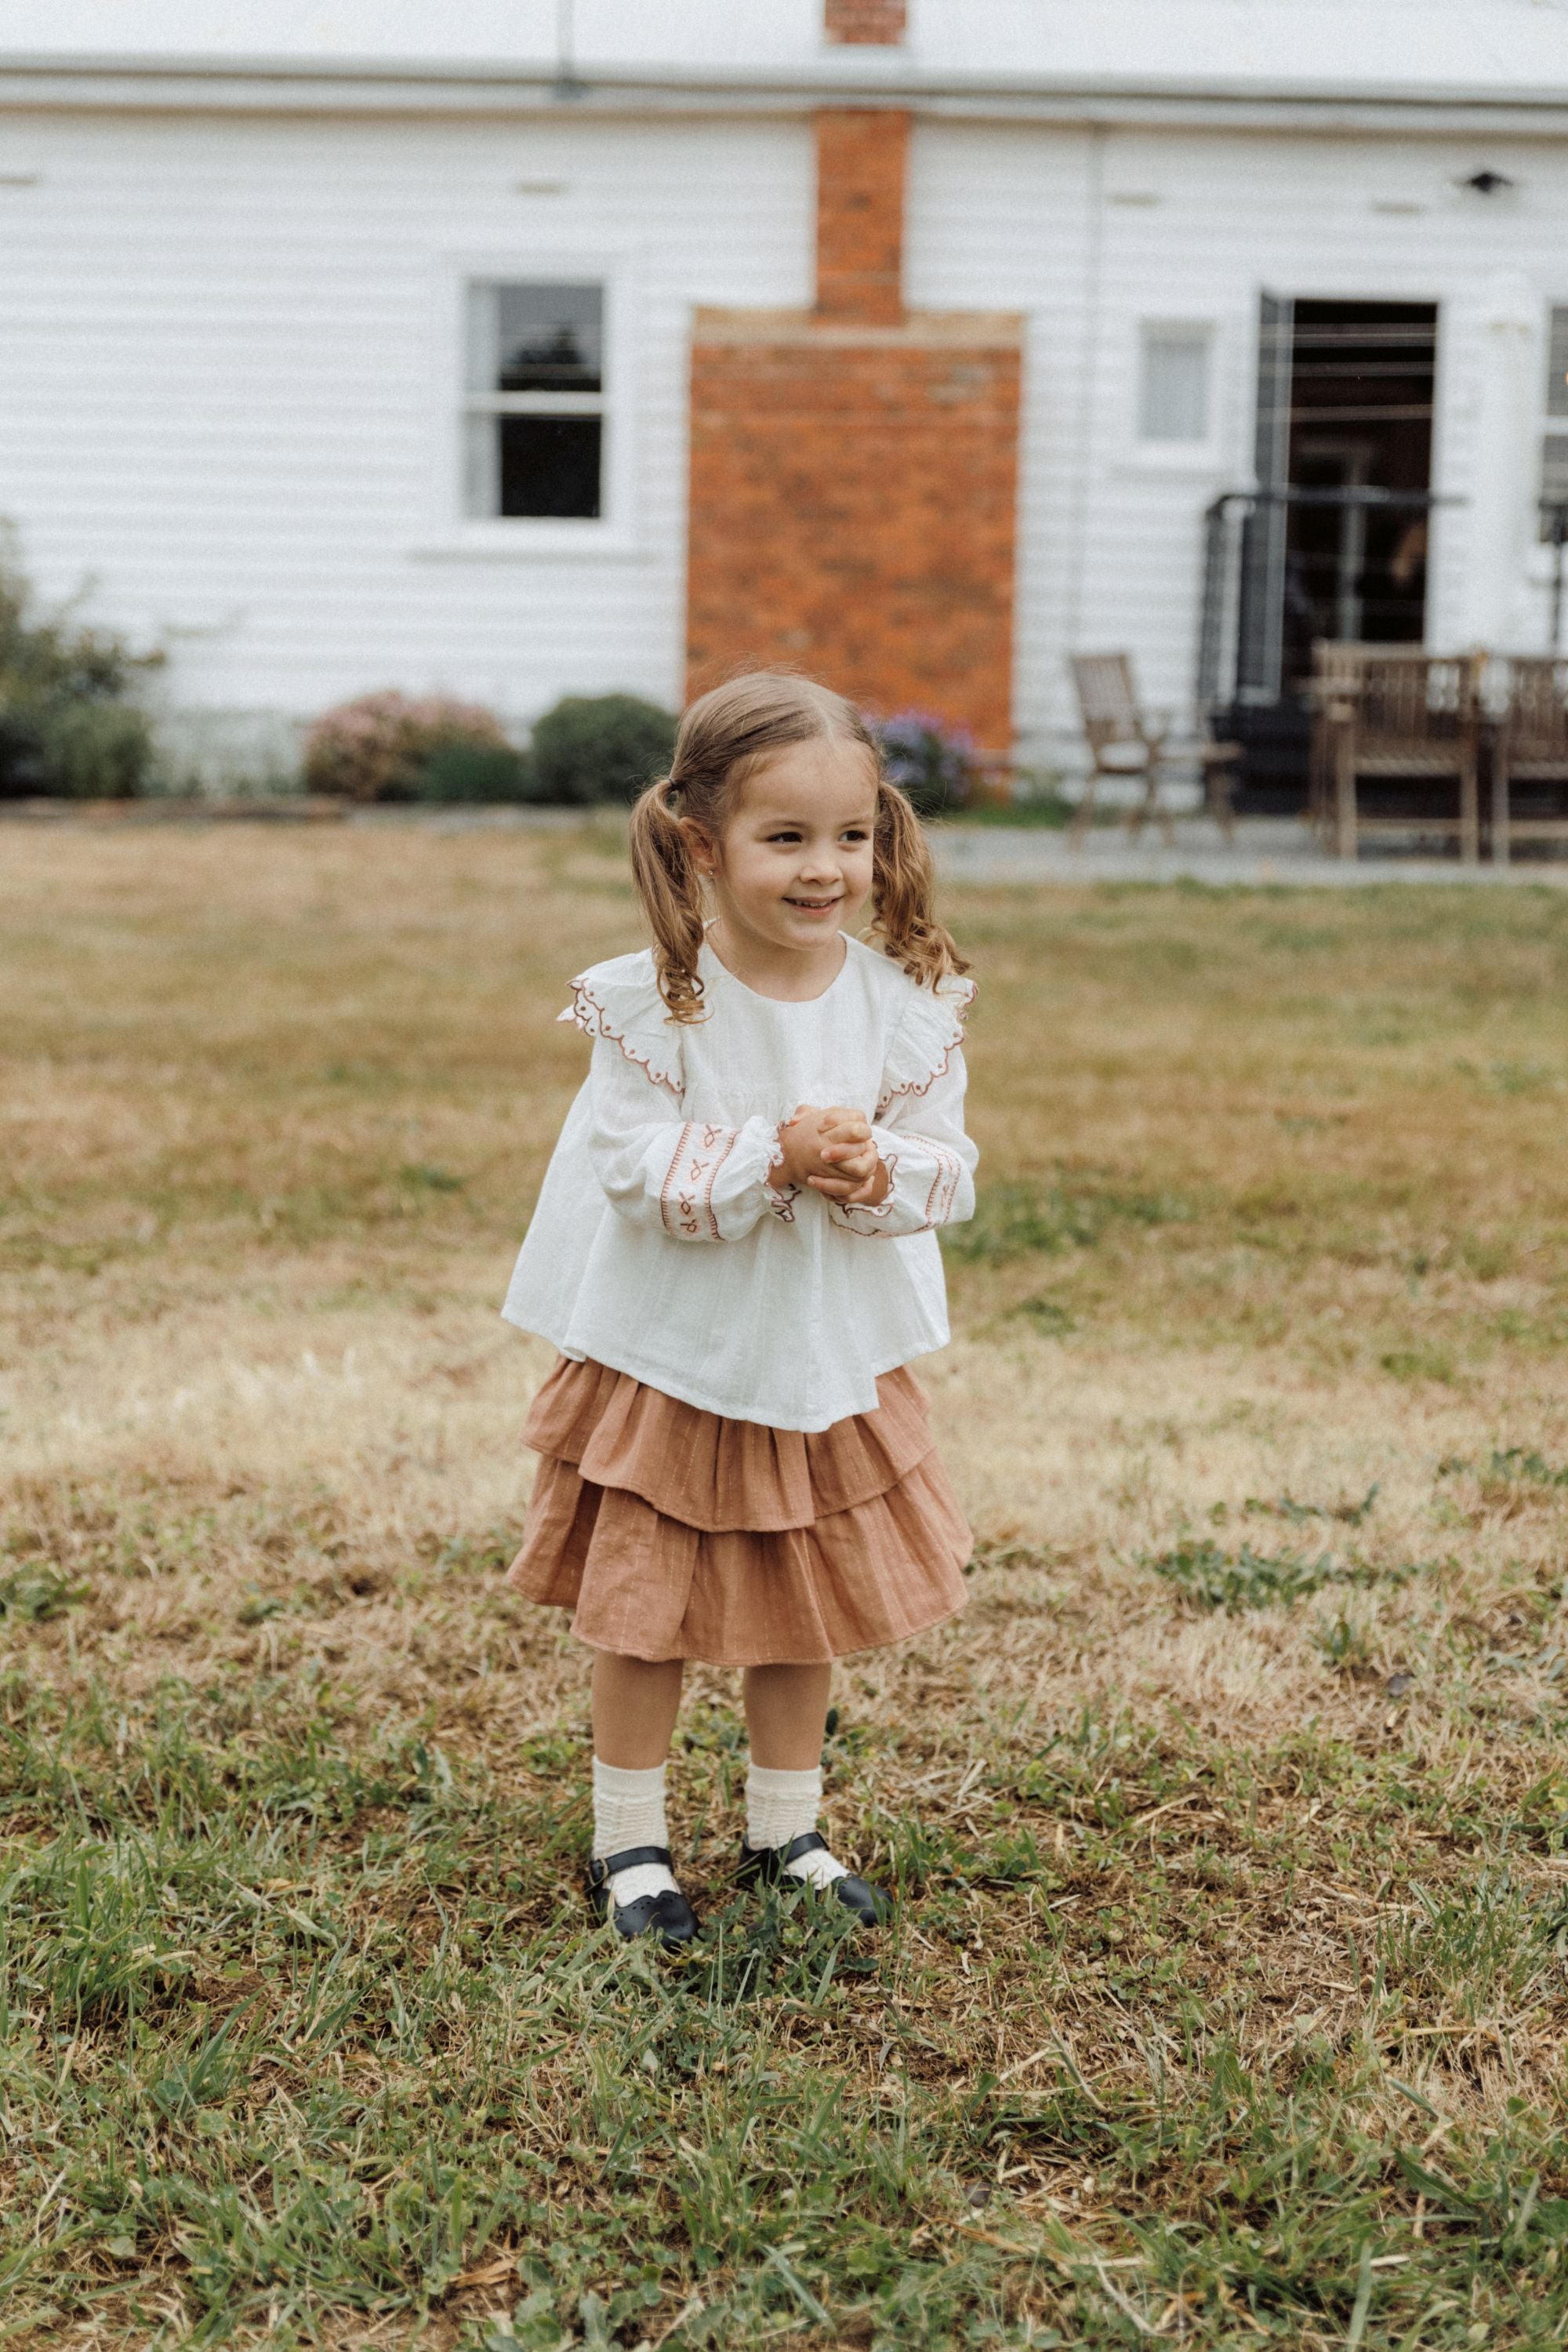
(724, 738)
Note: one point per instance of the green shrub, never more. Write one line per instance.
(381, 747)
(601, 747)
(69, 724)
(467, 773)
(99, 751)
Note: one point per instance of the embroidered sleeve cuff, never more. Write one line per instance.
(925, 1178)
(865, 1220)
(715, 1187)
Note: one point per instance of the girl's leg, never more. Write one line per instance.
(786, 1708)
(635, 1701)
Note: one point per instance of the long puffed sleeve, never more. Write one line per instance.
(695, 1181)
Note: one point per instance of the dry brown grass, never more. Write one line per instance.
(1276, 1202)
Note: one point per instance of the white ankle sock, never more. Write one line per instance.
(783, 1805)
(628, 1810)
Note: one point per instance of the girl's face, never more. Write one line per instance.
(793, 865)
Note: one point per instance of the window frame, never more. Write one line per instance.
(450, 531)
(1199, 456)
(1548, 426)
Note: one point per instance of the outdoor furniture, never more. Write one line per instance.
(1125, 741)
(1530, 747)
(1396, 716)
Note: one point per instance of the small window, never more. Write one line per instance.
(534, 417)
(1174, 387)
(1554, 439)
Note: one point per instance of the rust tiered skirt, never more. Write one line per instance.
(673, 1533)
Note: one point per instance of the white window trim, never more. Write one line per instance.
(1546, 426)
(1205, 456)
(448, 534)
(1538, 555)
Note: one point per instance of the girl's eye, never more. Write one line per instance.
(854, 832)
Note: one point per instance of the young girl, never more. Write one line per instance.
(735, 1252)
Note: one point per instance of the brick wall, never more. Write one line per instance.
(864, 21)
(854, 467)
(853, 495)
(861, 154)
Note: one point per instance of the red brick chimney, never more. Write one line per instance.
(865, 23)
(861, 154)
(854, 466)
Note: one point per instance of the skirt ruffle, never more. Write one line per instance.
(674, 1533)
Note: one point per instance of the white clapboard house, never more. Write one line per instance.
(348, 344)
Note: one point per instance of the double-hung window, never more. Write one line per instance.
(1554, 437)
(533, 426)
(1174, 387)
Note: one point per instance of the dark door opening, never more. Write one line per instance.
(1332, 543)
(1361, 418)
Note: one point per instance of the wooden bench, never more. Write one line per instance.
(1396, 715)
(1530, 747)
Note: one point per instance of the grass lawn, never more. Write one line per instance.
(1226, 1999)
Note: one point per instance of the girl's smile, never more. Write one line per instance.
(793, 865)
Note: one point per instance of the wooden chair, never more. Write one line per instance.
(1125, 741)
(1530, 747)
(1336, 683)
(1397, 715)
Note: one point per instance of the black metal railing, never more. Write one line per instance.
(1554, 532)
(1242, 622)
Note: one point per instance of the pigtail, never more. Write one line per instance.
(903, 893)
(670, 888)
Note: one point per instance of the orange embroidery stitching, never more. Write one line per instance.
(688, 1182)
(923, 1086)
(668, 1187)
(781, 1202)
(596, 1024)
(884, 1208)
(939, 1200)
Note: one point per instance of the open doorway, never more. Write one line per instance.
(1331, 542)
(1361, 376)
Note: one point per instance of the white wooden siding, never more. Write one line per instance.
(228, 371)
(1192, 226)
(230, 365)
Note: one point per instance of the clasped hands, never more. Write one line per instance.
(832, 1151)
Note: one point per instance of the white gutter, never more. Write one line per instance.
(338, 85)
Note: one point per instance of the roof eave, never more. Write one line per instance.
(351, 84)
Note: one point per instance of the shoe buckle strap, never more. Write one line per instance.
(809, 1841)
(603, 1866)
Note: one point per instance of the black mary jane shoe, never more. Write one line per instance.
(766, 1864)
(669, 1913)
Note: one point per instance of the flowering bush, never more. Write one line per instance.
(928, 760)
(382, 747)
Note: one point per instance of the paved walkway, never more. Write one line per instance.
(1267, 850)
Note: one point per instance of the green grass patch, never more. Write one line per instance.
(1208, 1578)
(1016, 1220)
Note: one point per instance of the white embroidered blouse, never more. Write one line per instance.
(659, 1246)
